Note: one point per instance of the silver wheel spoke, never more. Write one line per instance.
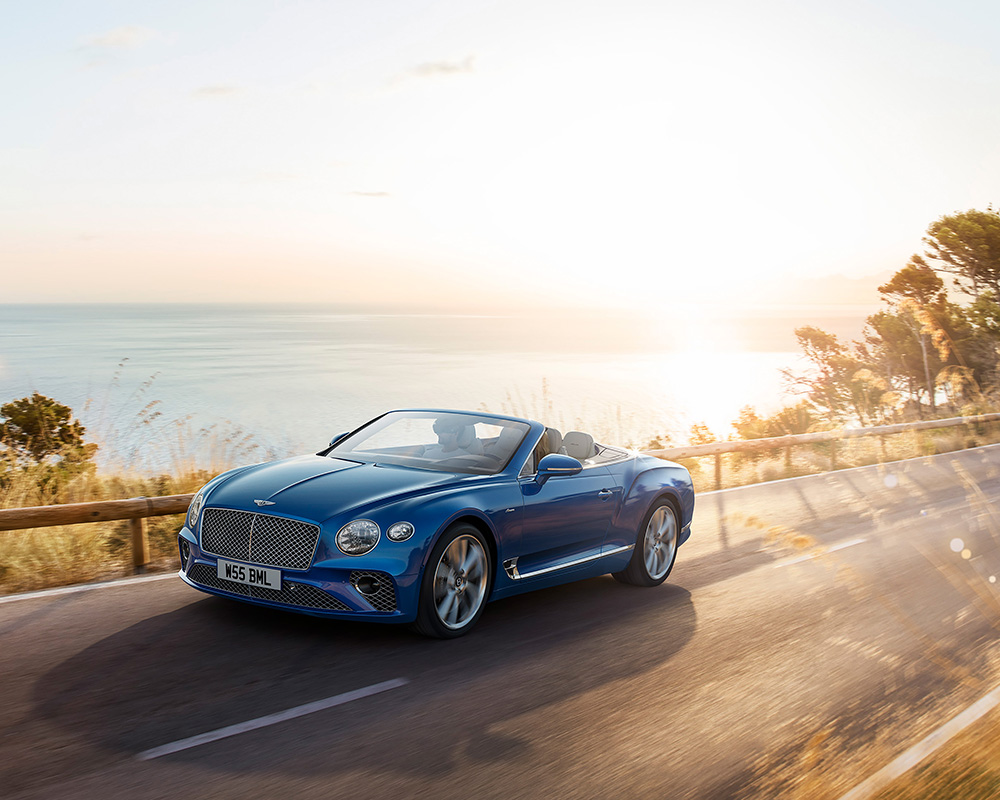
(446, 603)
(460, 581)
(452, 616)
(471, 559)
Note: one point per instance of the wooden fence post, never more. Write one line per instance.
(718, 470)
(140, 543)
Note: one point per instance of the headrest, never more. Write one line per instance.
(579, 445)
(507, 443)
(554, 439)
(465, 435)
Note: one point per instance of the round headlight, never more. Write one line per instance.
(358, 537)
(400, 531)
(195, 509)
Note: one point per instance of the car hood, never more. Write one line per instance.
(318, 488)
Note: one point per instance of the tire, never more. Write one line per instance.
(455, 585)
(655, 548)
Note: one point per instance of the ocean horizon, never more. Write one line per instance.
(159, 385)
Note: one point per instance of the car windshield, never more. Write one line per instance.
(438, 440)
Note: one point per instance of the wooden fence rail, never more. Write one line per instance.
(137, 509)
(718, 449)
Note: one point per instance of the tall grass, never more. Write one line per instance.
(144, 455)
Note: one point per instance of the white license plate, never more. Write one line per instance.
(249, 574)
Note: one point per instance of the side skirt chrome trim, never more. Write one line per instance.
(510, 565)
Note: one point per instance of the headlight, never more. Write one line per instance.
(195, 509)
(400, 531)
(358, 537)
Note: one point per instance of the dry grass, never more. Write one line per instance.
(46, 557)
(967, 768)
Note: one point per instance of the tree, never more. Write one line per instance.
(916, 292)
(830, 386)
(967, 246)
(749, 424)
(37, 429)
(898, 344)
(790, 420)
(701, 434)
(787, 421)
(916, 281)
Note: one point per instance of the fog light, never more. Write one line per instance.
(368, 584)
(185, 548)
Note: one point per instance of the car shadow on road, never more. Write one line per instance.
(213, 663)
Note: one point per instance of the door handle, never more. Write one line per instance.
(604, 494)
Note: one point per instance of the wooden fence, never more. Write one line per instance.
(137, 509)
(718, 449)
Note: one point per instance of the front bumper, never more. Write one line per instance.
(354, 592)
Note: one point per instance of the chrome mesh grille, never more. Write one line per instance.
(382, 600)
(258, 538)
(303, 595)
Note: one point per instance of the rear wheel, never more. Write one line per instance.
(455, 584)
(655, 547)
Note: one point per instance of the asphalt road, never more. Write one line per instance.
(811, 630)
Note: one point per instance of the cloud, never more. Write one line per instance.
(217, 91)
(370, 194)
(124, 37)
(438, 69)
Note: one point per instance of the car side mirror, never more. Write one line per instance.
(555, 464)
(338, 437)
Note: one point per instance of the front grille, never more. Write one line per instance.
(259, 538)
(303, 595)
(382, 600)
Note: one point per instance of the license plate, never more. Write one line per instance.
(249, 574)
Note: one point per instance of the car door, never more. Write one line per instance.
(565, 519)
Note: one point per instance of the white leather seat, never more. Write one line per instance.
(579, 445)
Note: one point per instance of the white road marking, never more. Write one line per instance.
(921, 750)
(270, 719)
(824, 551)
(85, 587)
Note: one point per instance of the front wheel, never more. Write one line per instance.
(455, 584)
(655, 548)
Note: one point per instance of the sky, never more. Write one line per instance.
(467, 153)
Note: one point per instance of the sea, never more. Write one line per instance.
(172, 386)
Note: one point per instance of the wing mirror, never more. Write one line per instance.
(555, 464)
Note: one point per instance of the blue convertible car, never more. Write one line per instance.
(423, 516)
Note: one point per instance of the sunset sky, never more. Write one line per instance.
(465, 152)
